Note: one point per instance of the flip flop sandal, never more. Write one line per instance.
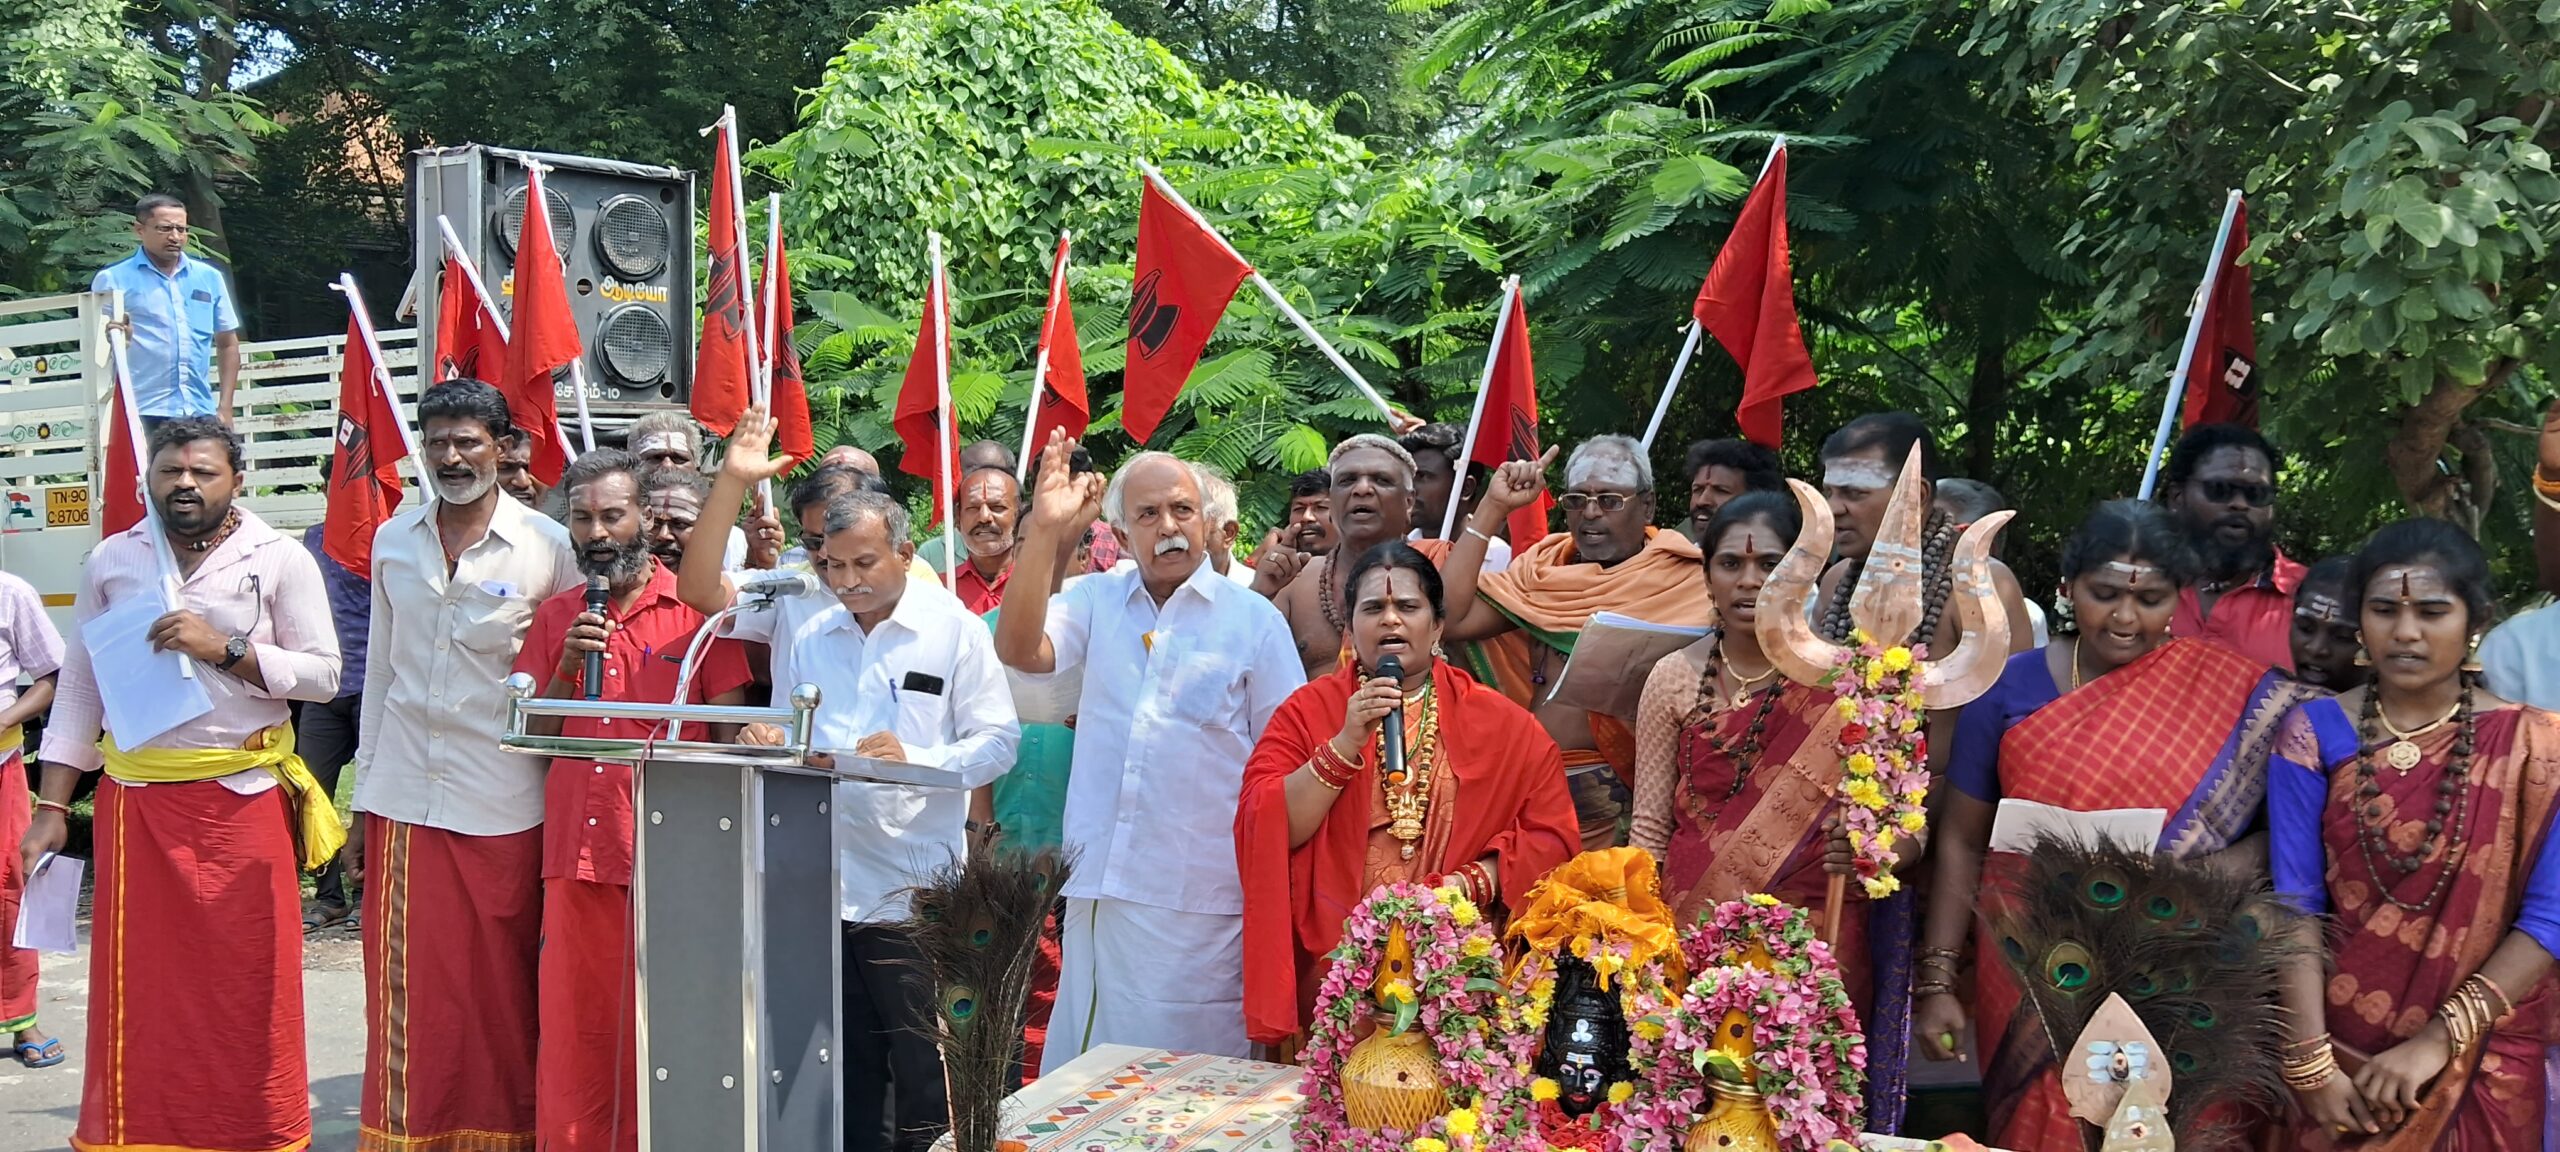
(44, 1055)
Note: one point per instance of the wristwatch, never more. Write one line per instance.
(233, 653)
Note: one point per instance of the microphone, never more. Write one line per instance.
(597, 592)
(1391, 733)
(777, 583)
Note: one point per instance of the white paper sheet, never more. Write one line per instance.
(144, 691)
(2020, 822)
(49, 912)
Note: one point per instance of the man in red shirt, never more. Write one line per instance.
(585, 1091)
(2221, 483)
(990, 508)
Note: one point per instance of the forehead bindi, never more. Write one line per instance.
(1400, 585)
(2409, 584)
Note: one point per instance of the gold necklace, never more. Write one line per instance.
(2402, 753)
(2075, 665)
(1408, 793)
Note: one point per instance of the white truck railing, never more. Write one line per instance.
(54, 393)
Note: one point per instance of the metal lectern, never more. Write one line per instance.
(733, 887)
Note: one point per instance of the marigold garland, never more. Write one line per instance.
(1457, 991)
(1884, 750)
(1761, 958)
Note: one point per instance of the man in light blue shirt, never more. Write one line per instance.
(181, 327)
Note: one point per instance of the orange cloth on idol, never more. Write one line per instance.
(1498, 786)
(1611, 894)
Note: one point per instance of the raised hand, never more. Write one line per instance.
(1064, 500)
(749, 455)
(1518, 483)
(1275, 564)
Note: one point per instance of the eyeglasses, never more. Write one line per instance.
(2224, 491)
(1580, 502)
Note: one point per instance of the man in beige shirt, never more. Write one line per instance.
(452, 839)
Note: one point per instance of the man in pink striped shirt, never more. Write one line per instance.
(195, 969)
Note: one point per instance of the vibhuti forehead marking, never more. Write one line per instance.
(1857, 472)
(2325, 609)
(2132, 573)
(659, 442)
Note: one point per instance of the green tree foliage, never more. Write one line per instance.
(91, 117)
(2397, 163)
(1348, 56)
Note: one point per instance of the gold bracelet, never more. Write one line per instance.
(54, 805)
(2310, 1071)
(1342, 772)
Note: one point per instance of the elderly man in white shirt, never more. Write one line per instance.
(451, 837)
(906, 673)
(1172, 670)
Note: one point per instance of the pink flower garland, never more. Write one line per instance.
(1810, 1057)
(1457, 980)
(1884, 778)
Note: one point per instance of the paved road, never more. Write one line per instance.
(37, 1108)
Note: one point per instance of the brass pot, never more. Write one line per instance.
(1738, 1121)
(1393, 1081)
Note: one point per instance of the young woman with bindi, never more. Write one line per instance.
(2115, 715)
(2415, 813)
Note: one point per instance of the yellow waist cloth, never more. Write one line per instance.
(12, 738)
(317, 834)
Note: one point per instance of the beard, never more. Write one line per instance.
(620, 562)
(465, 491)
(2224, 560)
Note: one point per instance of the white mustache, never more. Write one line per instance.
(1172, 544)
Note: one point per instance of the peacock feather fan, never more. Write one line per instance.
(976, 925)
(2197, 949)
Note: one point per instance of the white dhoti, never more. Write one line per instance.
(1153, 977)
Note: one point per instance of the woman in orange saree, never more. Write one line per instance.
(2117, 716)
(2416, 811)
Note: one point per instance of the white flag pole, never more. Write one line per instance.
(1273, 294)
(1698, 331)
(1040, 365)
(1475, 416)
(346, 283)
(772, 325)
(141, 449)
(758, 379)
(942, 415)
(2187, 353)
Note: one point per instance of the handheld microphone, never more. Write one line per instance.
(598, 592)
(1391, 734)
(776, 583)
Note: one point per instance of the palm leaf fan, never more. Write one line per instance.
(2196, 948)
(976, 924)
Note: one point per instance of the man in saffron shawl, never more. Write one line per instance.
(1479, 801)
(195, 976)
(1610, 558)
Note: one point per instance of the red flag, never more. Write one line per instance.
(1749, 305)
(364, 473)
(545, 338)
(793, 435)
(1185, 277)
(721, 368)
(467, 340)
(121, 495)
(2222, 379)
(1509, 430)
(1063, 403)
(919, 415)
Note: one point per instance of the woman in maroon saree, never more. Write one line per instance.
(2416, 812)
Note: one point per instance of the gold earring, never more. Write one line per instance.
(2362, 660)
(2471, 661)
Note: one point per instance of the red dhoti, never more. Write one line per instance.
(452, 934)
(17, 965)
(195, 975)
(586, 1091)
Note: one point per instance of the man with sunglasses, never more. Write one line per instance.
(2221, 483)
(1609, 557)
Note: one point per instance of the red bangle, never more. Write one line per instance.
(1330, 769)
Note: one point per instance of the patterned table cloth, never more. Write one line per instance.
(1120, 1098)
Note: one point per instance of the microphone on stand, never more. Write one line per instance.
(598, 592)
(1391, 734)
